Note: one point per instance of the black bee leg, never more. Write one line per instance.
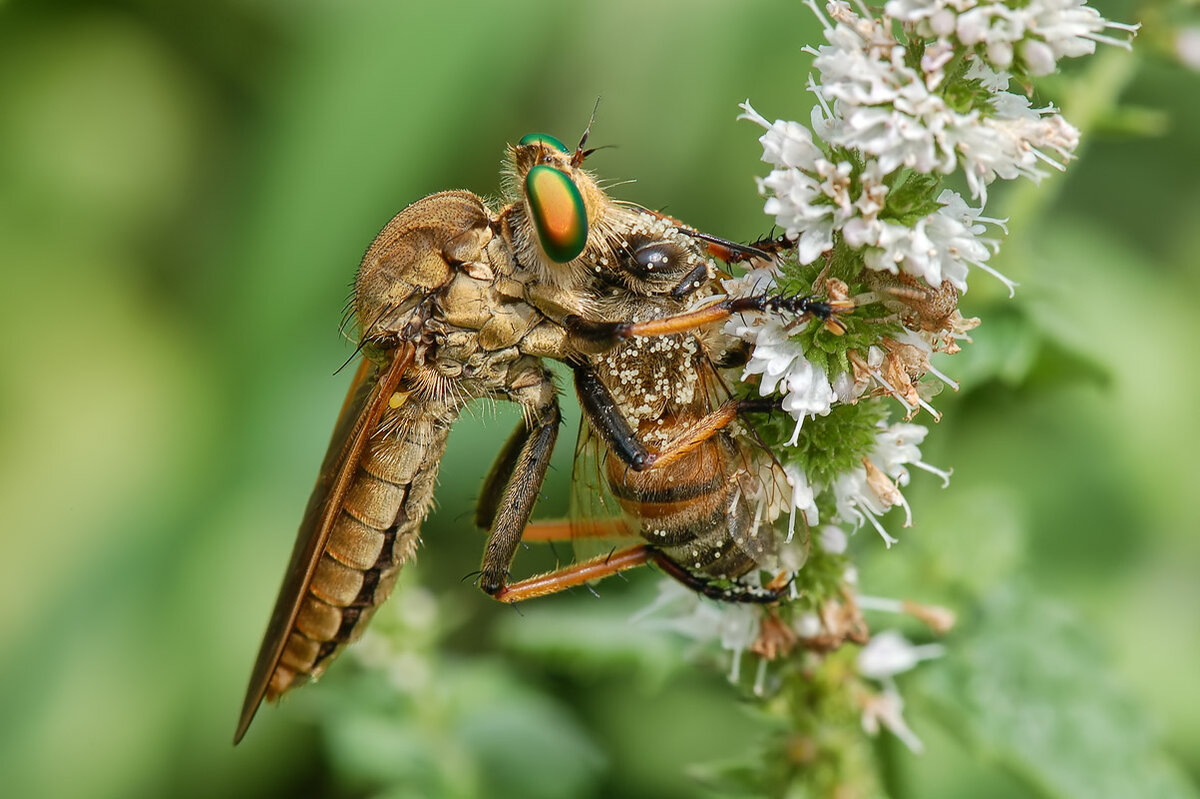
(735, 356)
(603, 415)
(690, 282)
(724, 249)
(515, 503)
(730, 591)
(760, 405)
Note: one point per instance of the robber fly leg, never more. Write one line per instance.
(723, 309)
(528, 469)
(551, 530)
(497, 477)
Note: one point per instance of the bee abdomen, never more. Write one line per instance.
(376, 532)
(729, 547)
(693, 511)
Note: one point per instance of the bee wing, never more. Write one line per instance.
(594, 512)
(365, 403)
(763, 484)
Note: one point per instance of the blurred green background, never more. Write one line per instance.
(185, 191)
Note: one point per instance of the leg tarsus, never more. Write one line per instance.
(734, 592)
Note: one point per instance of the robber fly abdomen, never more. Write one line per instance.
(436, 334)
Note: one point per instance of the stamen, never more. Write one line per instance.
(735, 672)
(937, 416)
(760, 678)
(825, 24)
(940, 376)
(887, 539)
(1012, 284)
(944, 474)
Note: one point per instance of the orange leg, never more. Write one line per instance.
(824, 310)
(562, 530)
(696, 435)
(576, 575)
(706, 428)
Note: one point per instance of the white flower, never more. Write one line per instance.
(785, 144)
(1033, 34)
(833, 539)
(803, 499)
(1187, 47)
(887, 710)
(780, 361)
(889, 653)
(866, 492)
(680, 610)
(872, 99)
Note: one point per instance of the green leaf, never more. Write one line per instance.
(1013, 349)
(581, 634)
(1029, 690)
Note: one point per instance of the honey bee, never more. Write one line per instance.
(661, 437)
(455, 301)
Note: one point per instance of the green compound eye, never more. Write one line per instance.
(545, 139)
(558, 212)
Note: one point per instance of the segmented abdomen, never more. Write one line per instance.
(691, 509)
(376, 531)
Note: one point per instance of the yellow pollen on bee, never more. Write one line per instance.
(398, 399)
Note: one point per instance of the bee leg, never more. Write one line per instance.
(515, 504)
(731, 592)
(604, 416)
(576, 574)
(728, 251)
(690, 282)
(733, 357)
(601, 411)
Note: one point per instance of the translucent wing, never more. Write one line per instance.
(365, 403)
(595, 516)
(763, 484)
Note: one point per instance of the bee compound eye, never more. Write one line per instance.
(544, 139)
(558, 213)
(654, 257)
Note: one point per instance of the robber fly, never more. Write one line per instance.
(455, 301)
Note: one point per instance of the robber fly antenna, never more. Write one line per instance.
(580, 153)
